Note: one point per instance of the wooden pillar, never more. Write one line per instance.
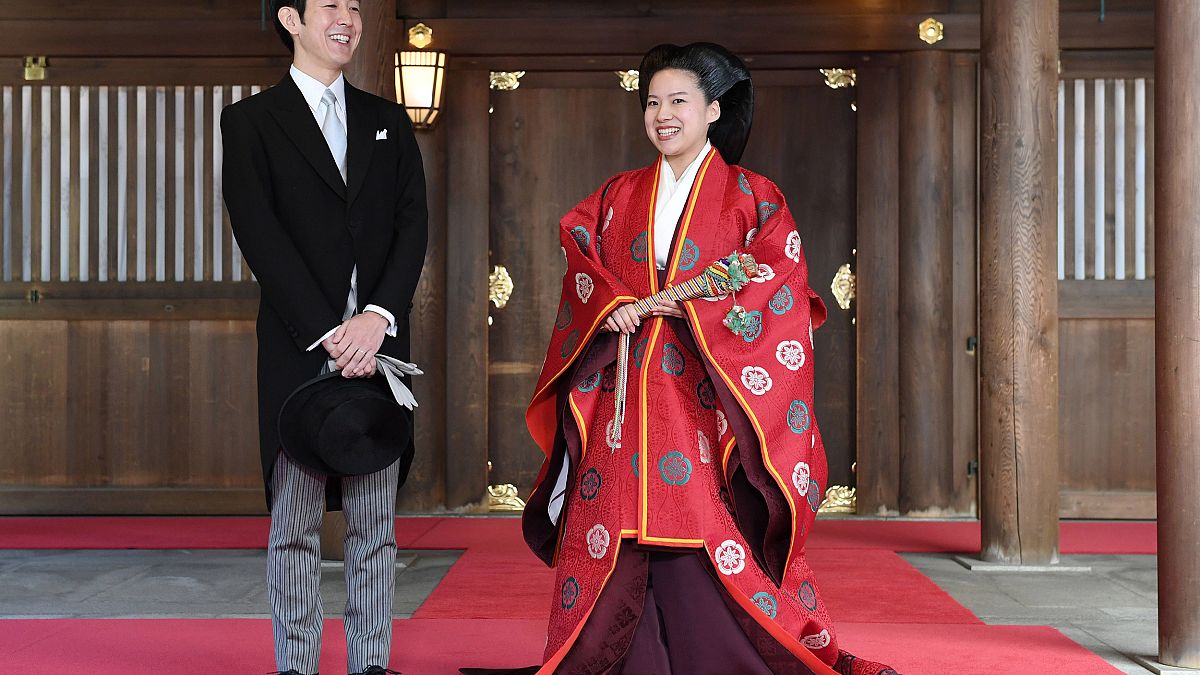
(925, 292)
(373, 66)
(964, 88)
(1018, 304)
(878, 432)
(467, 213)
(1177, 328)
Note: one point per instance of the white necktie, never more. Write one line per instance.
(335, 133)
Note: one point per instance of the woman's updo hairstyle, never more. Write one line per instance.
(722, 77)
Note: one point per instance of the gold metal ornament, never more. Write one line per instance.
(420, 36)
(840, 78)
(500, 286)
(504, 498)
(506, 81)
(843, 286)
(629, 79)
(839, 499)
(931, 30)
(35, 68)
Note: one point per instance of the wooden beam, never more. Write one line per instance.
(763, 34)
(1177, 330)
(177, 71)
(1018, 306)
(643, 8)
(138, 37)
(1102, 64)
(467, 208)
(605, 64)
(1107, 504)
(878, 166)
(1106, 299)
(99, 501)
(168, 301)
(538, 35)
(926, 296)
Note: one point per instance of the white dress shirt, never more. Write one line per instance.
(313, 89)
(672, 198)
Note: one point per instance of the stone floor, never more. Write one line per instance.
(180, 583)
(1110, 610)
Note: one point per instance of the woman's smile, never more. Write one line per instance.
(677, 116)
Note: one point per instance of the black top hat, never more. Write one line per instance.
(346, 426)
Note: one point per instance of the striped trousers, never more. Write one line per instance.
(294, 565)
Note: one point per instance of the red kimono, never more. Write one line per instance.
(719, 451)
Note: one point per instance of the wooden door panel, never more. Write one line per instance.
(129, 416)
(550, 148)
(804, 139)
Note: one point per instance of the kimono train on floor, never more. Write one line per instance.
(719, 456)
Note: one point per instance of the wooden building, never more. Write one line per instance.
(984, 169)
(126, 309)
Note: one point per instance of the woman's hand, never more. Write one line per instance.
(668, 308)
(623, 319)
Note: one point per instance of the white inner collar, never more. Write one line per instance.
(670, 202)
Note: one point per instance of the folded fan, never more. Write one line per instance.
(725, 275)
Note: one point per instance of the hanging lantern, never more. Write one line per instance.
(419, 78)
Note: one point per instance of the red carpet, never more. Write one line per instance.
(490, 609)
(440, 646)
(857, 586)
(881, 587)
(496, 557)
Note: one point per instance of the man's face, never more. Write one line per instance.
(329, 33)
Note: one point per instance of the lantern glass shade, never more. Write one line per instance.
(419, 77)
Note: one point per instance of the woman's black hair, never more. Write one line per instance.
(284, 36)
(722, 77)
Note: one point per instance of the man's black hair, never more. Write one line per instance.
(284, 36)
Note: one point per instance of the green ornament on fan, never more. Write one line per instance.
(735, 320)
(737, 275)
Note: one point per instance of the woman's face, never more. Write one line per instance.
(677, 116)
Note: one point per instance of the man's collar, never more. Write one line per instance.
(313, 89)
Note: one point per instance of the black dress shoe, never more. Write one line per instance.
(377, 670)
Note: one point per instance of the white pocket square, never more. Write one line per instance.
(381, 135)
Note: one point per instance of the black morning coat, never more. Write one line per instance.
(302, 230)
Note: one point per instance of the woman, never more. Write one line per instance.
(678, 527)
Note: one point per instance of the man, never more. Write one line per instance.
(326, 194)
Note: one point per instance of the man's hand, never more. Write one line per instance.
(354, 344)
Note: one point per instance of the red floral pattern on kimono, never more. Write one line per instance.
(666, 481)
